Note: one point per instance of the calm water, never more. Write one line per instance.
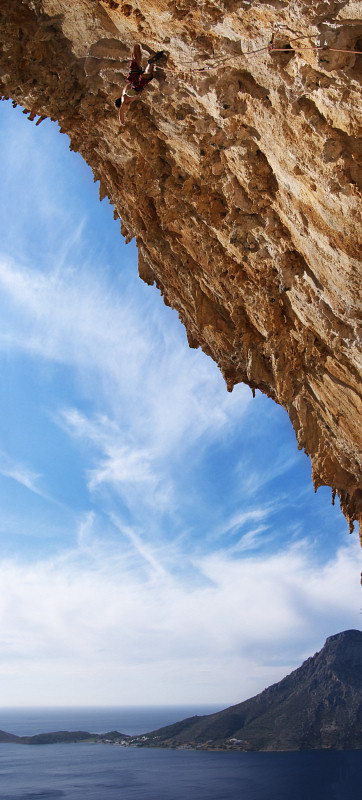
(104, 772)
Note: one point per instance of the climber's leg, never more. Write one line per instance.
(147, 76)
(128, 95)
(137, 55)
(123, 110)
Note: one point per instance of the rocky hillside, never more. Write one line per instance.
(239, 174)
(317, 706)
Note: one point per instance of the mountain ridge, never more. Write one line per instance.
(317, 706)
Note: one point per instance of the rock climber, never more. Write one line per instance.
(137, 80)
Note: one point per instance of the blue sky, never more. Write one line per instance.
(160, 538)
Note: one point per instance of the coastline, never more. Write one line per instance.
(147, 741)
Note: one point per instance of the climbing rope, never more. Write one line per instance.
(316, 47)
(269, 48)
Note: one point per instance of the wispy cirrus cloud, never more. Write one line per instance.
(252, 540)
(122, 462)
(146, 409)
(65, 317)
(76, 319)
(153, 400)
(119, 462)
(247, 528)
(241, 518)
(142, 549)
(19, 472)
(155, 405)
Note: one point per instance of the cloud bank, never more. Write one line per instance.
(112, 616)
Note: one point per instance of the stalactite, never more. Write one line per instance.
(238, 175)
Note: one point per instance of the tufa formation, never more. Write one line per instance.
(239, 174)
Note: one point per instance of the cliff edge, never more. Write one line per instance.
(239, 174)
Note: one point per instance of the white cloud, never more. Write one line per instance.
(19, 472)
(72, 317)
(155, 403)
(143, 550)
(252, 480)
(116, 615)
(64, 316)
(240, 532)
(251, 540)
(241, 518)
(119, 463)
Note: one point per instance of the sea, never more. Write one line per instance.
(109, 772)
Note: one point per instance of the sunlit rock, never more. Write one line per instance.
(239, 174)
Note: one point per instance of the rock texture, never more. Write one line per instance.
(318, 706)
(239, 174)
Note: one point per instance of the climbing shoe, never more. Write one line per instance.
(156, 57)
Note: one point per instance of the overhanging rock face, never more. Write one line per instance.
(239, 175)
